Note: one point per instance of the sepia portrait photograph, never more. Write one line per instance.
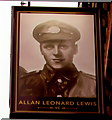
(57, 55)
(56, 61)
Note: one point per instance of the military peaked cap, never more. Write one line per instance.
(55, 30)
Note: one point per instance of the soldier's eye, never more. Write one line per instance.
(49, 47)
(63, 46)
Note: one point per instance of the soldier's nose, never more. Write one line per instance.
(56, 50)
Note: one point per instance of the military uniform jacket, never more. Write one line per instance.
(62, 83)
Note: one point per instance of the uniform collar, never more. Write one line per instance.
(67, 72)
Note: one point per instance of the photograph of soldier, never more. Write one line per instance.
(59, 76)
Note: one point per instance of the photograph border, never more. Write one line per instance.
(16, 11)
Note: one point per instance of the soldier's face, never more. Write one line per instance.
(59, 53)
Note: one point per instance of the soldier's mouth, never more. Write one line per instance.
(58, 60)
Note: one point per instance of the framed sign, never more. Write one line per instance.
(56, 63)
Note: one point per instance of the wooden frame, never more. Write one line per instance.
(25, 53)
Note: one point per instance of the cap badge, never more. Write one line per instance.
(53, 29)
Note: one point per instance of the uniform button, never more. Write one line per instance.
(59, 95)
(62, 86)
(47, 81)
(59, 80)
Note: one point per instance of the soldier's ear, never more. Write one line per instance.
(75, 49)
(41, 49)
